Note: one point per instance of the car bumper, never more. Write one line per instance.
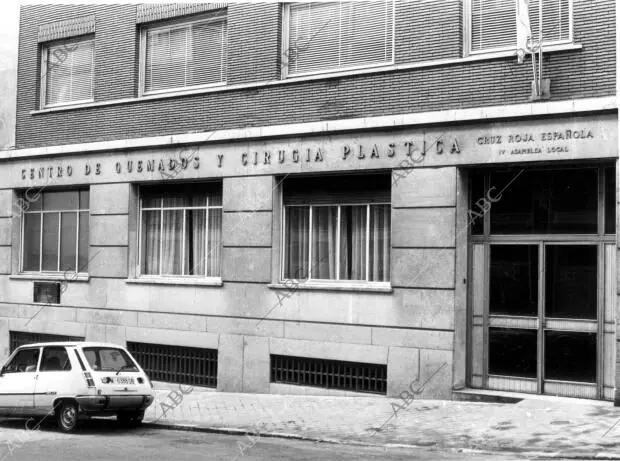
(113, 403)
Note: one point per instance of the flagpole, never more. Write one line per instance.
(540, 46)
(533, 51)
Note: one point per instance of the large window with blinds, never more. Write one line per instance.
(181, 230)
(67, 72)
(184, 55)
(492, 24)
(55, 231)
(337, 228)
(331, 36)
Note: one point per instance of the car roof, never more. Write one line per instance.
(72, 344)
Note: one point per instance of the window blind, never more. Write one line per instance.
(336, 35)
(494, 25)
(556, 18)
(68, 73)
(186, 55)
(333, 190)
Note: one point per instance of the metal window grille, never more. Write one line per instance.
(177, 364)
(21, 338)
(329, 374)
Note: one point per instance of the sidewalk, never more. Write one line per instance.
(552, 427)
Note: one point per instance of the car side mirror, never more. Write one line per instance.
(2, 370)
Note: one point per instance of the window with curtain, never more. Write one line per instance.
(185, 55)
(181, 230)
(55, 231)
(67, 72)
(337, 35)
(337, 229)
(493, 23)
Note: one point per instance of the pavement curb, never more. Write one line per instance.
(233, 431)
(284, 435)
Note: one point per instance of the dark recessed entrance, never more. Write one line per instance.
(542, 280)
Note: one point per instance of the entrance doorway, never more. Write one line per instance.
(543, 290)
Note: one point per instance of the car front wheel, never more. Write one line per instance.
(67, 416)
(130, 419)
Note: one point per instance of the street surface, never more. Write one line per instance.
(101, 439)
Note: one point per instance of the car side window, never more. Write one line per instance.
(24, 361)
(55, 358)
(93, 359)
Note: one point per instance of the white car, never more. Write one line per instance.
(72, 380)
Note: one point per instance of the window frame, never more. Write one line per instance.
(41, 212)
(285, 42)
(44, 51)
(161, 208)
(62, 369)
(144, 30)
(16, 353)
(338, 281)
(97, 350)
(467, 35)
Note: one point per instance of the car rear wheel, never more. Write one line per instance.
(67, 416)
(130, 418)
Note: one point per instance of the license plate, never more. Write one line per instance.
(124, 380)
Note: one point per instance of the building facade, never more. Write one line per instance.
(334, 198)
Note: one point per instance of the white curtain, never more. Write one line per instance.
(195, 241)
(175, 238)
(324, 235)
(214, 255)
(380, 244)
(353, 222)
(151, 229)
(172, 237)
(297, 242)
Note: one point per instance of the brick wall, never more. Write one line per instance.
(430, 29)
(253, 42)
(427, 30)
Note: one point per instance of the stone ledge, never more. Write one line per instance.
(215, 282)
(311, 286)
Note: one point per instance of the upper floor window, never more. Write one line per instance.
(337, 230)
(331, 36)
(67, 72)
(55, 231)
(493, 23)
(185, 55)
(181, 230)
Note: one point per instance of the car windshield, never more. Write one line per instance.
(108, 359)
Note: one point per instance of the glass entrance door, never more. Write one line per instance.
(543, 298)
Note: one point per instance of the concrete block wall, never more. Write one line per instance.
(6, 229)
(411, 329)
(615, 354)
(6, 221)
(423, 271)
